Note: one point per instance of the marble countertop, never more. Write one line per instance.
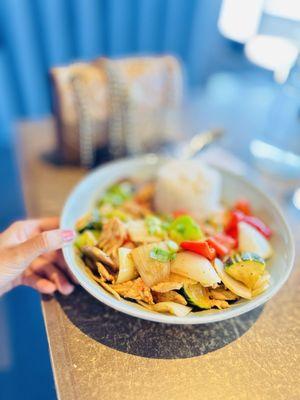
(99, 353)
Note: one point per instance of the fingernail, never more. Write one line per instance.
(67, 289)
(68, 235)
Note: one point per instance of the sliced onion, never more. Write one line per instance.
(179, 310)
(127, 270)
(195, 267)
(234, 286)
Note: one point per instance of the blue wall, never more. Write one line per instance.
(25, 371)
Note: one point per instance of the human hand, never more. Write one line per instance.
(29, 256)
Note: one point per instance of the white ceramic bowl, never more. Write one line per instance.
(93, 185)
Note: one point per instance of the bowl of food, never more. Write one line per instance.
(176, 241)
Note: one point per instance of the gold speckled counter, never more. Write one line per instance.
(98, 353)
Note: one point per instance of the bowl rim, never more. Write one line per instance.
(124, 306)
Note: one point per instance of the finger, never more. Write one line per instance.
(58, 277)
(15, 233)
(47, 224)
(70, 274)
(24, 253)
(58, 259)
(32, 227)
(15, 259)
(20, 231)
(43, 268)
(40, 284)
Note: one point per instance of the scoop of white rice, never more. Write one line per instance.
(190, 186)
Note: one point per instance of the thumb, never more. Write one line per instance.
(43, 243)
(17, 258)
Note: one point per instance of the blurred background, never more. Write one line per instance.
(241, 73)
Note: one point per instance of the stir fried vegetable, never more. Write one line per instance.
(135, 289)
(236, 287)
(197, 296)
(172, 308)
(99, 255)
(237, 216)
(246, 268)
(117, 194)
(173, 264)
(252, 240)
(151, 270)
(220, 248)
(164, 253)
(139, 233)
(156, 226)
(87, 238)
(201, 248)
(171, 295)
(91, 221)
(195, 267)
(164, 287)
(183, 228)
(127, 270)
(244, 206)
(262, 284)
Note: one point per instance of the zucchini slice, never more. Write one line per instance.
(234, 286)
(246, 268)
(197, 295)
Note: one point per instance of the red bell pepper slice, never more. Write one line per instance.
(201, 248)
(226, 240)
(233, 233)
(220, 248)
(259, 225)
(238, 216)
(235, 218)
(244, 206)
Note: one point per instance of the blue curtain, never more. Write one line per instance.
(38, 34)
